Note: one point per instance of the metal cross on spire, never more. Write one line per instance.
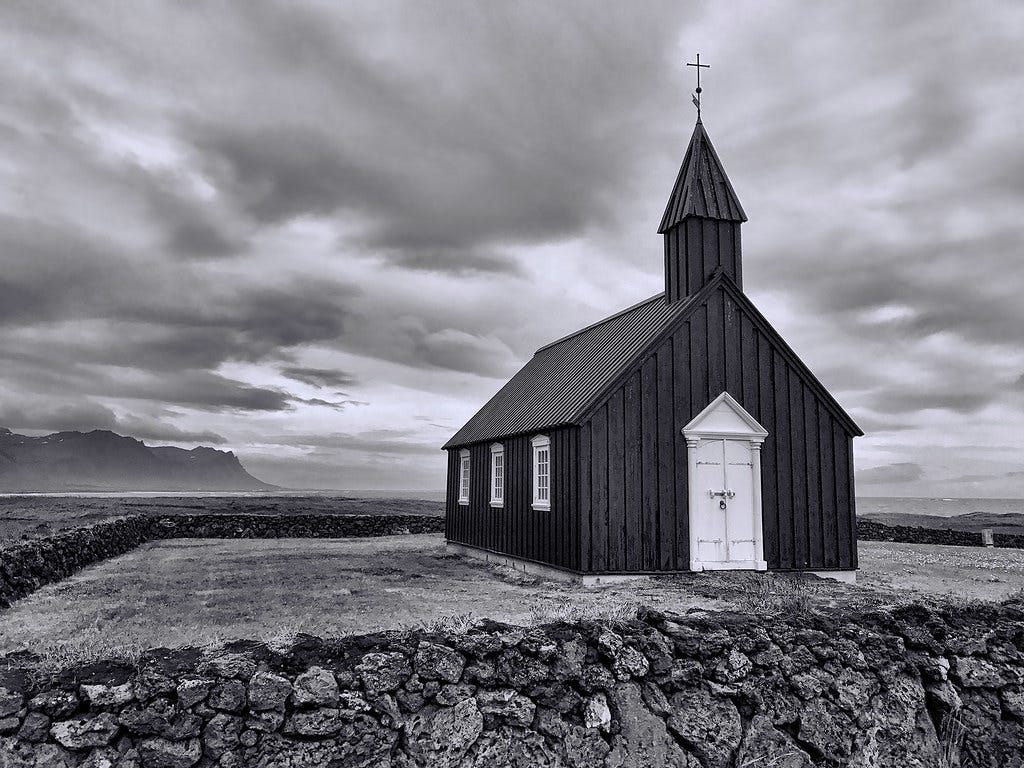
(696, 97)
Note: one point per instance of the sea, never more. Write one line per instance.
(868, 505)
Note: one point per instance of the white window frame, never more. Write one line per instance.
(464, 476)
(539, 444)
(497, 480)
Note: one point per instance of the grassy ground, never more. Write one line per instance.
(955, 572)
(206, 591)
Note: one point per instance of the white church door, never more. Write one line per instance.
(725, 517)
(724, 477)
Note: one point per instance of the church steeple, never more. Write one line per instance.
(702, 221)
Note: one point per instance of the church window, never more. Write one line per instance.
(497, 475)
(464, 476)
(541, 472)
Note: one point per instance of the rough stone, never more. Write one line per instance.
(642, 739)
(10, 702)
(826, 729)
(764, 745)
(438, 662)
(1013, 701)
(9, 724)
(228, 696)
(629, 662)
(583, 747)
(161, 753)
(512, 748)
(268, 691)
(55, 703)
(222, 734)
(317, 687)
(978, 673)
(452, 693)
(35, 728)
(231, 665)
(854, 689)
(100, 696)
(352, 702)
(316, 722)
(596, 713)
(441, 741)
(895, 729)
(192, 691)
(83, 733)
(383, 672)
(249, 738)
(710, 725)
(266, 722)
(507, 706)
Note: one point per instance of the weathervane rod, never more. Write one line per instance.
(696, 97)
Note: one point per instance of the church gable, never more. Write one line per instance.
(633, 439)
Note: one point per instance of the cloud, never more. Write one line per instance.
(337, 405)
(320, 377)
(901, 472)
(85, 416)
(328, 183)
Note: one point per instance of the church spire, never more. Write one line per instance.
(702, 188)
(701, 223)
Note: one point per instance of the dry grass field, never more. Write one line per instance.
(207, 591)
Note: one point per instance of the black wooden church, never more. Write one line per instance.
(679, 434)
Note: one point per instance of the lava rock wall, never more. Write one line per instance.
(907, 688)
(869, 530)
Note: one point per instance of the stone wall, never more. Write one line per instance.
(907, 688)
(26, 566)
(869, 530)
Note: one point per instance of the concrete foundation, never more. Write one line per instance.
(590, 579)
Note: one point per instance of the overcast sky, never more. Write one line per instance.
(322, 235)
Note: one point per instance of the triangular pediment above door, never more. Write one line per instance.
(722, 418)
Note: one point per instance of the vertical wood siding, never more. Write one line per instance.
(515, 528)
(695, 249)
(633, 497)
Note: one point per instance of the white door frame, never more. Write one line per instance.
(725, 419)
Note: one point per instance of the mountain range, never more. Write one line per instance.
(104, 461)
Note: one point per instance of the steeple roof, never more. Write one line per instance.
(702, 188)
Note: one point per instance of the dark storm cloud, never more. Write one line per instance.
(279, 172)
(85, 416)
(191, 229)
(52, 272)
(454, 261)
(203, 390)
(902, 472)
(325, 378)
(440, 165)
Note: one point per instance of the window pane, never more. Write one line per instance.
(543, 469)
(464, 485)
(497, 476)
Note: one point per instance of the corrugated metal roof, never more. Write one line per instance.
(701, 188)
(563, 377)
